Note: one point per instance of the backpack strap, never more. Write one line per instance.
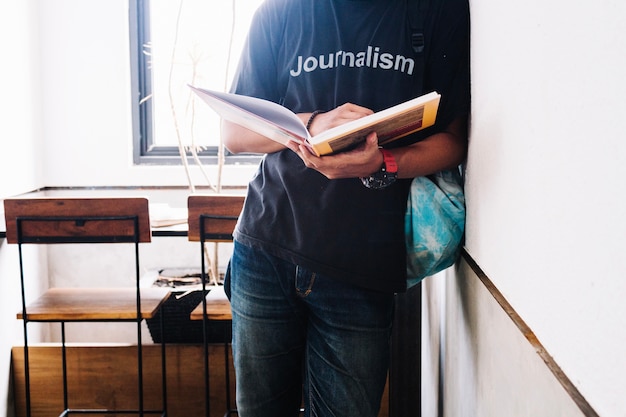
(417, 10)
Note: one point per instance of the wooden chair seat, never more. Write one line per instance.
(88, 304)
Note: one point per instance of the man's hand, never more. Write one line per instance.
(336, 117)
(358, 162)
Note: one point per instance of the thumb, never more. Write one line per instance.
(372, 139)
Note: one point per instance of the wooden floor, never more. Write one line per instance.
(105, 376)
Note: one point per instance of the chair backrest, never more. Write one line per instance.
(77, 220)
(213, 217)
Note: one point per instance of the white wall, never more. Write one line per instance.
(86, 64)
(20, 147)
(544, 182)
(490, 368)
(544, 179)
(20, 136)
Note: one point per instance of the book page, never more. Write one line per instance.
(262, 116)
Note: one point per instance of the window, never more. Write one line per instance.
(173, 44)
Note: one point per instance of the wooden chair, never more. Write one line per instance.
(85, 221)
(212, 218)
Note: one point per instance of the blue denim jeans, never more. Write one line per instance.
(299, 336)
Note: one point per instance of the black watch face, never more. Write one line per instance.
(379, 179)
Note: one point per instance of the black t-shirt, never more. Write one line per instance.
(316, 55)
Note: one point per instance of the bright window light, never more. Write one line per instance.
(185, 42)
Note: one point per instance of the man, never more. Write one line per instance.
(319, 247)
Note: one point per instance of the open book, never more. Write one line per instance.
(282, 125)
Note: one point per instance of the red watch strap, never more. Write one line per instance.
(390, 161)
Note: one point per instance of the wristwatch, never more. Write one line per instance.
(387, 175)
